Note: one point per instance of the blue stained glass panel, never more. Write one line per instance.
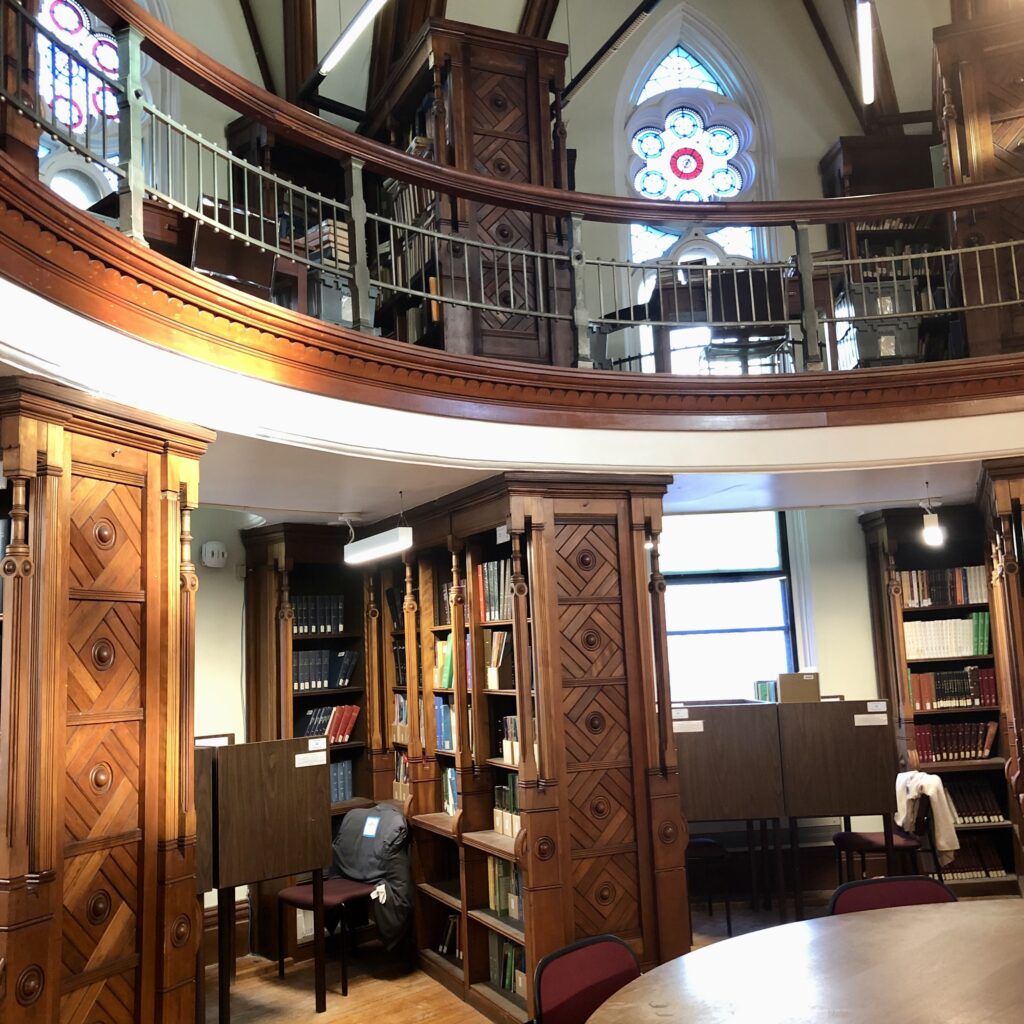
(679, 70)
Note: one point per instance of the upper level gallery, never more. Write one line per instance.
(443, 260)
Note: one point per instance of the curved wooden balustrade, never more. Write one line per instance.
(67, 255)
(306, 129)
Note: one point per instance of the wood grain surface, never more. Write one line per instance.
(955, 962)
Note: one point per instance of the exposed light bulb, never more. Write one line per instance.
(866, 50)
(352, 32)
(933, 534)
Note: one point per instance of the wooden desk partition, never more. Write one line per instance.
(730, 765)
(838, 758)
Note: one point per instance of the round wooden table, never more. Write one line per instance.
(952, 963)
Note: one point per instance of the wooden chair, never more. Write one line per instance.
(571, 983)
(896, 891)
(337, 893)
(225, 258)
(706, 852)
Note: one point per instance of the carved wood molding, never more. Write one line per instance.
(57, 251)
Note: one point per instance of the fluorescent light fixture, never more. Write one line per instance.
(380, 545)
(933, 534)
(355, 28)
(866, 49)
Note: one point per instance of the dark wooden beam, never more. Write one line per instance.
(257, 45)
(837, 65)
(300, 48)
(537, 18)
(396, 24)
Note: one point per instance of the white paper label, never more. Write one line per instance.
(370, 826)
(501, 534)
(213, 741)
(679, 713)
(319, 743)
(694, 726)
(882, 719)
(876, 705)
(314, 757)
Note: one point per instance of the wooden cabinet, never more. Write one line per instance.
(99, 919)
(476, 100)
(937, 643)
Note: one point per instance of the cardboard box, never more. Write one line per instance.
(799, 687)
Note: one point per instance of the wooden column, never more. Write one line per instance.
(19, 137)
(300, 44)
(378, 694)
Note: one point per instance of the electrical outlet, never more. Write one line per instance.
(240, 571)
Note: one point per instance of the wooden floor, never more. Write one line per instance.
(380, 991)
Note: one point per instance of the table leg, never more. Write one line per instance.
(766, 895)
(794, 851)
(225, 947)
(848, 827)
(319, 941)
(200, 1017)
(890, 849)
(780, 871)
(755, 893)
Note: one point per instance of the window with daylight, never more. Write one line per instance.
(728, 603)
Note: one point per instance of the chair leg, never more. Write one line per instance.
(280, 939)
(708, 887)
(839, 867)
(863, 866)
(344, 952)
(727, 896)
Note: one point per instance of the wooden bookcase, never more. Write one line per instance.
(896, 549)
(598, 842)
(287, 567)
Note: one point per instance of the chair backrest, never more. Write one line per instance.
(898, 891)
(571, 983)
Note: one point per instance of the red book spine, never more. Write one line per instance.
(351, 721)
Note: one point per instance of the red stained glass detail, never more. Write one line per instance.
(686, 163)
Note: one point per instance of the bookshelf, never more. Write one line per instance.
(313, 668)
(508, 857)
(933, 644)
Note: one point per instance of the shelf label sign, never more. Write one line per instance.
(318, 743)
(680, 713)
(691, 726)
(501, 534)
(874, 719)
(313, 757)
(876, 705)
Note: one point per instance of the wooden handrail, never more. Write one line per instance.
(307, 129)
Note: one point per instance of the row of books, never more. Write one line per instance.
(974, 801)
(955, 741)
(341, 781)
(394, 599)
(322, 670)
(446, 725)
(451, 938)
(976, 858)
(922, 588)
(400, 785)
(506, 965)
(444, 608)
(506, 808)
(970, 687)
(400, 723)
(443, 662)
(334, 721)
(449, 791)
(318, 613)
(948, 638)
(398, 650)
(498, 659)
(504, 888)
(508, 738)
(493, 588)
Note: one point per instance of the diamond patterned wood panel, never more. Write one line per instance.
(111, 1001)
(499, 103)
(595, 725)
(591, 641)
(101, 788)
(103, 656)
(588, 560)
(99, 908)
(601, 809)
(106, 535)
(606, 895)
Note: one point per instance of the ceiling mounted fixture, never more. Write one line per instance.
(932, 533)
(355, 28)
(866, 51)
(380, 545)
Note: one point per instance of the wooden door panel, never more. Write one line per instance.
(106, 535)
(110, 1001)
(101, 797)
(103, 657)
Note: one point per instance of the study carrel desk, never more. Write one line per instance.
(730, 769)
(270, 817)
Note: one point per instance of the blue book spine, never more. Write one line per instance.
(438, 723)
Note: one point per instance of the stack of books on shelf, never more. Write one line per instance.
(947, 638)
(955, 741)
(504, 888)
(498, 659)
(449, 791)
(318, 613)
(970, 687)
(394, 603)
(322, 670)
(977, 858)
(923, 588)
(451, 938)
(334, 721)
(444, 608)
(507, 965)
(400, 786)
(494, 596)
(767, 691)
(328, 242)
(974, 801)
(341, 781)
(398, 650)
(400, 725)
(506, 808)
(446, 731)
(509, 733)
(443, 664)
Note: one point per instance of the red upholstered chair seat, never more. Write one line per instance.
(337, 891)
(573, 982)
(874, 842)
(880, 893)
